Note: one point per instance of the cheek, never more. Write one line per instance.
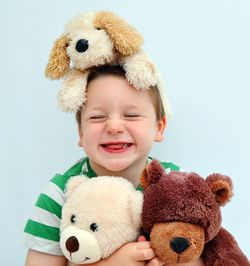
(144, 129)
(143, 134)
(91, 133)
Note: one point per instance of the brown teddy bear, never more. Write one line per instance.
(181, 215)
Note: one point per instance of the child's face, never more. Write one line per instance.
(118, 124)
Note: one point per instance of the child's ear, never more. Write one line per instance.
(161, 125)
(80, 140)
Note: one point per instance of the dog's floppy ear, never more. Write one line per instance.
(59, 61)
(125, 38)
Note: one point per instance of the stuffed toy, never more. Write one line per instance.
(181, 215)
(93, 39)
(99, 216)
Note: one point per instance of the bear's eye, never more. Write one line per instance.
(94, 227)
(98, 28)
(73, 219)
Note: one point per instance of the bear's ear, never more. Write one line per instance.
(73, 183)
(125, 38)
(151, 174)
(221, 186)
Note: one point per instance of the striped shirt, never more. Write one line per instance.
(41, 232)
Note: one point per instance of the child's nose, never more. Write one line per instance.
(115, 126)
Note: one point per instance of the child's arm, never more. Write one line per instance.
(36, 258)
(131, 254)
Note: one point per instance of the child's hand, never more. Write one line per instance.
(131, 254)
(154, 261)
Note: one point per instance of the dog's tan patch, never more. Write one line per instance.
(59, 61)
(126, 39)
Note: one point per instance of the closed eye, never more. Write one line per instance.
(97, 117)
(132, 116)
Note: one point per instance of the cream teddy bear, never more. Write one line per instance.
(100, 215)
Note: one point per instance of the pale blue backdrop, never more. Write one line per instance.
(203, 50)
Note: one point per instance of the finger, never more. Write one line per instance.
(155, 262)
(143, 245)
(143, 254)
(142, 238)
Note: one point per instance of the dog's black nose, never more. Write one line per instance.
(179, 244)
(82, 45)
(72, 244)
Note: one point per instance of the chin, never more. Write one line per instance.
(117, 165)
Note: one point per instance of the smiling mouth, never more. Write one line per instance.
(87, 258)
(116, 147)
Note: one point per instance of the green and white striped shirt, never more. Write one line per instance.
(41, 232)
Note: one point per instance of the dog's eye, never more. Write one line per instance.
(98, 28)
(94, 227)
(73, 219)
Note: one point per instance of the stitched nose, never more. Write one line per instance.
(82, 45)
(179, 244)
(72, 244)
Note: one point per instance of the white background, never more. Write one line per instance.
(203, 50)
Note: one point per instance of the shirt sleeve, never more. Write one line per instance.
(168, 166)
(41, 232)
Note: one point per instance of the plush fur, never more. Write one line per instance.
(181, 214)
(99, 216)
(93, 39)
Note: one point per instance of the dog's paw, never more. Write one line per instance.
(140, 71)
(72, 94)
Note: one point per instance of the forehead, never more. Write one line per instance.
(115, 88)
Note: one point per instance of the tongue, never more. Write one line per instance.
(114, 146)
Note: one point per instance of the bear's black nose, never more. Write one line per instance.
(179, 244)
(82, 45)
(72, 244)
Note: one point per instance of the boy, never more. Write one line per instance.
(117, 128)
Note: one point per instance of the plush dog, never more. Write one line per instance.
(100, 215)
(93, 39)
(181, 213)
